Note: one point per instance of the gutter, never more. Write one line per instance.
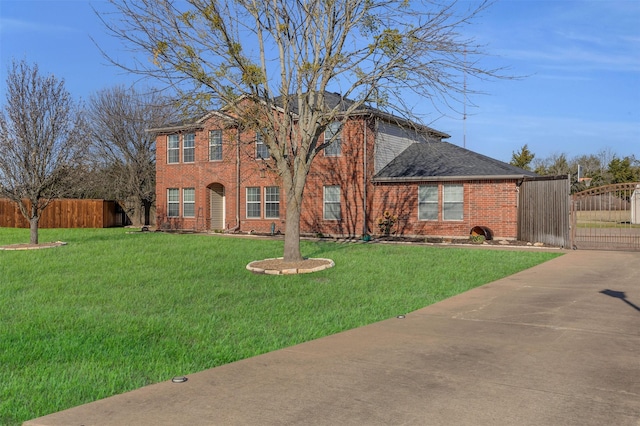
(448, 178)
(175, 128)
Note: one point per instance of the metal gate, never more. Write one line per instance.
(606, 217)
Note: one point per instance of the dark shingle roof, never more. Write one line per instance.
(190, 123)
(331, 100)
(442, 160)
(337, 101)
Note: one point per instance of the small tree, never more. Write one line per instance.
(42, 137)
(285, 56)
(558, 165)
(522, 158)
(621, 171)
(122, 146)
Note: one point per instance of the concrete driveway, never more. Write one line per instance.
(558, 344)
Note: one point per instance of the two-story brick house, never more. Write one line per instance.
(212, 176)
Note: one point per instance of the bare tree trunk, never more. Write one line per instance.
(146, 205)
(292, 229)
(33, 227)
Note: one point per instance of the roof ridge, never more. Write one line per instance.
(420, 161)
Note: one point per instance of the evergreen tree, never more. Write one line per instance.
(523, 158)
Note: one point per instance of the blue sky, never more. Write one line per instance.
(581, 59)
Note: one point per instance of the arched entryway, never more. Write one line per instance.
(216, 207)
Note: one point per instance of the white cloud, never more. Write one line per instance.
(16, 26)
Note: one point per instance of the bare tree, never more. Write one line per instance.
(119, 118)
(42, 137)
(284, 56)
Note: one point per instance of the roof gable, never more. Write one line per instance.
(443, 160)
(338, 102)
(196, 123)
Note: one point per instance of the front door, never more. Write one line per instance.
(216, 195)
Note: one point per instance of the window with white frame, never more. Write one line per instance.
(215, 145)
(262, 151)
(173, 148)
(189, 148)
(331, 209)
(271, 202)
(428, 202)
(189, 202)
(452, 202)
(253, 202)
(173, 202)
(333, 131)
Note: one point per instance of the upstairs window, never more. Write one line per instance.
(215, 145)
(452, 202)
(173, 149)
(335, 148)
(189, 148)
(262, 151)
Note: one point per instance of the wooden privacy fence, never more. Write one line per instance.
(543, 210)
(65, 213)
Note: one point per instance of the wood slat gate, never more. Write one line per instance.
(543, 210)
(607, 217)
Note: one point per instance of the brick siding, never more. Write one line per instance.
(488, 203)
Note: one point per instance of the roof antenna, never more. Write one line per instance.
(464, 113)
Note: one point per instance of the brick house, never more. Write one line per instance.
(212, 176)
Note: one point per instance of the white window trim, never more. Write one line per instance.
(258, 203)
(190, 148)
(170, 149)
(436, 203)
(331, 130)
(175, 203)
(260, 142)
(211, 145)
(267, 202)
(445, 202)
(185, 202)
(325, 203)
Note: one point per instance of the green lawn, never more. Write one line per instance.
(113, 311)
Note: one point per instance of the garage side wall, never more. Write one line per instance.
(490, 203)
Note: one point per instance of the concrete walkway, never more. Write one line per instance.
(558, 344)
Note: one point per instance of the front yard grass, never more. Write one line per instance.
(114, 311)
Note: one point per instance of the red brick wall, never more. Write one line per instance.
(346, 171)
(202, 173)
(487, 203)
